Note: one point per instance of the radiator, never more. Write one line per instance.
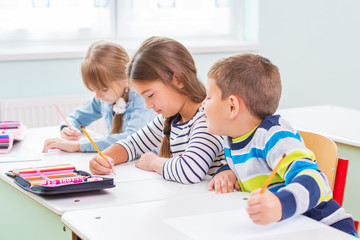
(40, 112)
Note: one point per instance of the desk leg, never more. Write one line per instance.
(74, 237)
(351, 201)
(24, 218)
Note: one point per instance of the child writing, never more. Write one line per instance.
(243, 93)
(104, 72)
(163, 72)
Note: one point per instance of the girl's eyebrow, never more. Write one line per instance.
(145, 91)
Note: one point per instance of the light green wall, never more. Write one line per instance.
(314, 43)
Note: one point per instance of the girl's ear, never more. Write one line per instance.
(235, 105)
(177, 82)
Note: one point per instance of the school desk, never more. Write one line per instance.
(199, 217)
(25, 215)
(342, 126)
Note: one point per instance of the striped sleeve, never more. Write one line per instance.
(145, 140)
(300, 172)
(193, 164)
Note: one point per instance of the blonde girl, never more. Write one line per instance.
(163, 72)
(104, 72)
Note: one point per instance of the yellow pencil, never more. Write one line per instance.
(268, 180)
(97, 149)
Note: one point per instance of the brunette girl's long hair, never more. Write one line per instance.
(104, 63)
(160, 58)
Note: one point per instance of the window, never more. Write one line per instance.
(201, 24)
(178, 18)
(25, 20)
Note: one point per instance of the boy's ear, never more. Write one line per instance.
(177, 82)
(235, 105)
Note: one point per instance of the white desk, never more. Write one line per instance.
(151, 220)
(40, 215)
(342, 126)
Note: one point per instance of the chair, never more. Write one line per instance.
(335, 169)
(326, 154)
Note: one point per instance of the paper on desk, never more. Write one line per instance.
(236, 224)
(7, 158)
(128, 172)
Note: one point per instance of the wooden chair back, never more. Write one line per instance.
(326, 153)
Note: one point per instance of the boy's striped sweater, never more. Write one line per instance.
(299, 184)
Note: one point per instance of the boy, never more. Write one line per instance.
(243, 93)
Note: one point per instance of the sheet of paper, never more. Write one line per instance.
(8, 158)
(236, 224)
(128, 172)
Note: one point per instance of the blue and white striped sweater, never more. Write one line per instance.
(195, 151)
(301, 187)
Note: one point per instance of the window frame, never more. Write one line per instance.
(67, 49)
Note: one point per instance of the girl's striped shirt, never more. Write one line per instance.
(195, 152)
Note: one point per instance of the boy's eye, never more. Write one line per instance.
(105, 89)
(151, 95)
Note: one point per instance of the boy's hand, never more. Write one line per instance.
(264, 208)
(58, 143)
(99, 166)
(224, 182)
(71, 134)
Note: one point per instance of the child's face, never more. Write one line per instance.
(162, 98)
(216, 109)
(110, 94)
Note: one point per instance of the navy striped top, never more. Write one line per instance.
(299, 184)
(195, 152)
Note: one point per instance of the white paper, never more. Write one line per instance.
(128, 172)
(7, 158)
(236, 224)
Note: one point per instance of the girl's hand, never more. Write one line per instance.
(224, 182)
(151, 162)
(62, 144)
(99, 166)
(71, 134)
(146, 161)
(264, 208)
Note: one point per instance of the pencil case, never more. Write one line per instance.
(14, 128)
(6, 142)
(58, 179)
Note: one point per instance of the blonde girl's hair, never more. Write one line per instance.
(253, 78)
(161, 58)
(105, 62)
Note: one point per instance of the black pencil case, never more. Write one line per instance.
(84, 186)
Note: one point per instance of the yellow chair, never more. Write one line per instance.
(325, 151)
(334, 168)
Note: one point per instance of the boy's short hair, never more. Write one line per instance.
(253, 78)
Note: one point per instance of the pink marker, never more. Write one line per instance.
(24, 175)
(63, 181)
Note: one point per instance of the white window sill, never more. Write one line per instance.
(42, 51)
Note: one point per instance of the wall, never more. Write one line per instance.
(316, 46)
(314, 43)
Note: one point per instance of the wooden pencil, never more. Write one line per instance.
(97, 149)
(268, 180)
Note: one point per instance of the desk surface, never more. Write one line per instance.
(214, 219)
(338, 123)
(136, 208)
(125, 192)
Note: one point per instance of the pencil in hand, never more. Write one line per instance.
(97, 149)
(268, 180)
